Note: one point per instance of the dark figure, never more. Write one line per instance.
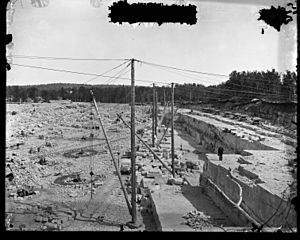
(220, 153)
(121, 228)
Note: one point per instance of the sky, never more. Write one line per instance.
(226, 37)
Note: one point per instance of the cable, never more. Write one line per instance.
(105, 72)
(82, 73)
(118, 73)
(68, 58)
(281, 200)
(228, 94)
(286, 218)
(177, 73)
(110, 59)
(138, 80)
(182, 69)
(117, 77)
(202, 80)
(192, 71)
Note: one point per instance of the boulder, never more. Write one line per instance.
(147, 182)
(154, 173)
(98, 184)
(10, 176)
(72, 194)
(38, 219)
(13, 194)
(175, 181)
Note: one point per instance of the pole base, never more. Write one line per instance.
(133, 225)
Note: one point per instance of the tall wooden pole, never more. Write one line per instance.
(133, 153)
(164, 97)
(153, 117)
(172, 131)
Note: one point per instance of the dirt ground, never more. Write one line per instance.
(51, 149)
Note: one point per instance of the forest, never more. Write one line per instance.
(241, 86)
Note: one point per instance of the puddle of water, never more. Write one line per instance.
(77, 153)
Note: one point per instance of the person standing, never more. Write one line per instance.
(220, 153)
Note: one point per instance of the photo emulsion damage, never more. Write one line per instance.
(132, 116)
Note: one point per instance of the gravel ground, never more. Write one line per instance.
(45, 141)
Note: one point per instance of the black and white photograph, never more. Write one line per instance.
(151, 116)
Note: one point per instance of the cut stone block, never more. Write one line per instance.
(243, 161)
(147, 182)
(247, 173)
(154, 173)
(161, 179)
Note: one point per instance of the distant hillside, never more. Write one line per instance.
(241, 87)
(58, 86)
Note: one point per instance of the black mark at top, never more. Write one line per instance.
(275, 17)
(152, 12)
(8, 40)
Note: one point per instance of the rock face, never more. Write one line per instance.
(277, 113)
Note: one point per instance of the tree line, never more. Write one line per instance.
(269, 85)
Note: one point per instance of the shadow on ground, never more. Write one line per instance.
(148, 221)
(205, 205)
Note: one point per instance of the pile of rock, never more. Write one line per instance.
(49, 222)
(177, 181)
(197, 220)
(19, 193)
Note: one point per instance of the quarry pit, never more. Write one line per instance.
(251, 185)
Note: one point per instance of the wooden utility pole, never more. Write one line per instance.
(153, 117)
(112, 156)
(172, 131)
(164, 97)
(133, 153)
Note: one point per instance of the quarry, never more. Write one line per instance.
(203, 140)
(60, 176)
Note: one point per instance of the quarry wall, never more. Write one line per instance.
(258, 201)
(212, 137)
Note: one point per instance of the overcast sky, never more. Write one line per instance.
(227, 37)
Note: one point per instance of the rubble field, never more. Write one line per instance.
(51, 151)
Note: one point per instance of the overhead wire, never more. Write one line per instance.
(82, 73)
(183, 69)
(105, 72)
(202, 80)
(118, 74)
(116, 78)
(177, 73)
(193, 71)
(277, 209)
(140, 80)
(205, 90)
(69, 58)
(126, 59)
